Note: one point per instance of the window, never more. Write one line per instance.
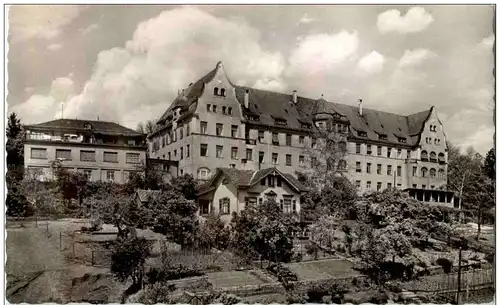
(343, 146)
(437, 141)
(424, 186)
(270, 180)
(287, 205)
(218, 129)
(169, 155)
(224, 206)
(64, 154)
(218, 151)
(188, 131)
(232, 165)
(368, 185)
(424, 172)
(408, 154)
(399, 185)
(441, 158)
(234, 131)
(389, 185)
(250, 201)
(379, 186)
(224, 109)
(204, 206)
(132, 158)
(38, 153)
(432, 172)
(414, 171)
(301, 140)
(389, 170)
(368, 168)
(110, 175)
(203, 127)
(181, 133)
(441, 174)
(358, 167)
(261, 157)
(280, 122)
(414, 186)
(182, 153)
(174, 135)
(203, 173)
(379, 169)
(289, 160)
(382, 137)
(229, 110)
(358, 148)
(175, 153)
(263, 181)
(261, 136)
(379, 150)
(216, 91)
(423, 155)
(362, 134)
(401, 140)
(388, 152)
(234, 153)
(288, 140)
(88, 126)
(398, 171)
(163, 141)
(368, 149)
(203, 150)
(110, 157)
(433, 157)
(275, 158)
(275, 139)
(294, 206)
(301, 160)
(187, 150)
(278, 180)
(223, 92)
(399, 152)
(358, 184)
(214, 108)
(88, 174)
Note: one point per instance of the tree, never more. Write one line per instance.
(175, 217)
(213, 233)
(264, 232)
(72, 185)
(186, 185)
(14, 145)
(128, 258)
(489, 164)
(16, 201)
(140, 128)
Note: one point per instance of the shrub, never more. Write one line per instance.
(155, 275)
(445, 263)
(284, 275)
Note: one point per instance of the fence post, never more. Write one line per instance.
(60, 241)
(92, 259)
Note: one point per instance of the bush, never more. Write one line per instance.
(172, 273)
(445, 263)
(284, 275)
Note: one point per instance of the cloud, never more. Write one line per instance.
(305, 19)
(54, 46)
(415, 57)
(90, 28)
(166, 53)
(415, 20)
(372, 62)
(38, 107)
(271, 85)
(317, 54)
(482, 139)
(40, 21)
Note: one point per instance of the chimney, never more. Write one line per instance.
(294, 96)
(247, 93)
(360, 107)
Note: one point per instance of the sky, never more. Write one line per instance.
(126, 63)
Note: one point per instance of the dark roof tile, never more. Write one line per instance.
(97, 126)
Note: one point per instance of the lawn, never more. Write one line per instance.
(322, 269)
(236, 278)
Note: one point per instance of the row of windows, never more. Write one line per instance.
(428, 140)
(389, 185)
(370, 151)
(225, 110)
(85, 155)
(181, 151)
(287, 205)
(433, 128)
(170, 137)
(379, 169)
(219, 91)
(432, 157)
(424, 172)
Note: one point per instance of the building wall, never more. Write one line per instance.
(99, 168)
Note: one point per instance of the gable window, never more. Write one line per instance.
(223, 92)
(218, 129)
(289, 160)
(275, 158)
(234, 153)
(263, 181)
(64, 154)
(288, 140)
(111, 157)
(224, 206)
(234, 131)
(437, 141)
(275, 139)
(203, 127)
(203, 150)
(278, 181)
(270, 180)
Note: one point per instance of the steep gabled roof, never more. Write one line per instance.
(79, 125)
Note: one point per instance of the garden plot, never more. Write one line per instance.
(322, 269)
(237, 278)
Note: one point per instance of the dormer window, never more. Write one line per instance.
(362, 134)
(401, 140)
(280, 122)
(382, 137)
(305, 126)
(88, 126)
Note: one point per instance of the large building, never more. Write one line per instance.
(214, 123)
(103, 151)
